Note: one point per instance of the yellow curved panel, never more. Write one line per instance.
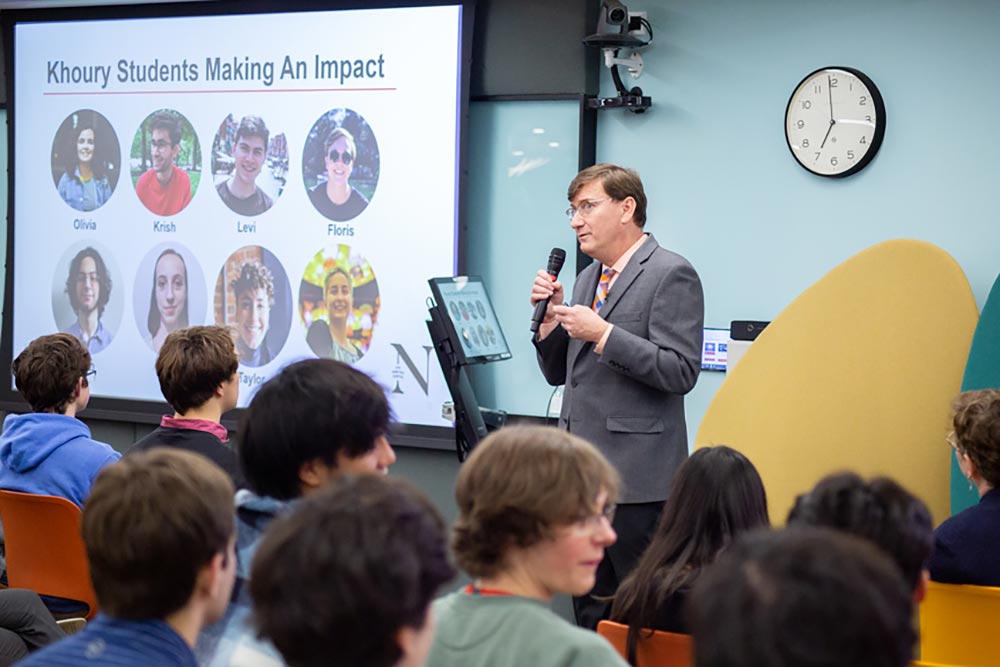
(857, 373)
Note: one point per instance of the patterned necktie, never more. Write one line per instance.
(602, 289)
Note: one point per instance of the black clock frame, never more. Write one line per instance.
(876, 142)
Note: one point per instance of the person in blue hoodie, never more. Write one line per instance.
(49, 451)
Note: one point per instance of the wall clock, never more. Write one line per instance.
(835, 121)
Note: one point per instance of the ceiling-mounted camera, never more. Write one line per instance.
(619, 34)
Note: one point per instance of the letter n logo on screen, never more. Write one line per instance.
(399, 373)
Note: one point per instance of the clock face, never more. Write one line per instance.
(835, 121)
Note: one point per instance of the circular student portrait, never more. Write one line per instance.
(340, 164)
(165, 162)
(87, 296)
(249, 164)
(339, 304)
(168, 293)
(253, 297)
(86, 160)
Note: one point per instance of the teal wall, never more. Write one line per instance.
(725, 191)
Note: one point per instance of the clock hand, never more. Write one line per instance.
(827, 136)
(829, 89)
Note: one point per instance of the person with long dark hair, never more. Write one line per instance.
(716, 495)
(84, 185)
(168, 304)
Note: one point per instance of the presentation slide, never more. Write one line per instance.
(292, 176)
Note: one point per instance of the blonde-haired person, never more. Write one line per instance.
(966, 547)
(535, 506)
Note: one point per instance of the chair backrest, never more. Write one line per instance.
(661, 649)
(45, 551)
(958, 625)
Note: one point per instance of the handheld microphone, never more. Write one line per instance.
(556, 259)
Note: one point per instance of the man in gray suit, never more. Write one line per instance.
(627, 350)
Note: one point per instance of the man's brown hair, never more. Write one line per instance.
(618, 182)
(519, 485)
(151, 523)
(46, 372)
(977, 431)
(193, 362)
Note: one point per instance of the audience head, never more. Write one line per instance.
(880, 511)
(196, 364)
(976, 437)
(619, 183)
(716, 495)
(347, 577)
(535, 498)
(802, 597)
(158, 528)
(52, 372)
(313, 420)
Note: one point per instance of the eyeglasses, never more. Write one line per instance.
(83, 278)
(89, 376)
(592, 522)
(160, 144)
(585, 209)
(336, 156)
(953, 442)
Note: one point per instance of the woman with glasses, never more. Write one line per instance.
(966, 546)
(535, 505)
(336, 198)
(716, 495)
(84, 184)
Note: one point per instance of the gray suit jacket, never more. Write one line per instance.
(629, 401)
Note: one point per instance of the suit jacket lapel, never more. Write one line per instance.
(632, 271)
(583, 294)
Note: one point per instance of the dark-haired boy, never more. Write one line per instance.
(307, 425)
(802, 597)
(49, 451)
(880, 511)
(158, 529)
(197, 368)
(240, 192)
(356, 603)
(165, 189)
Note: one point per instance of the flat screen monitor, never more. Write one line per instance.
(285, 174)
(472, 321)
(714, 349)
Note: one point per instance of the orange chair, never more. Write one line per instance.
(958, 625)
(662, 649)
(45, 551)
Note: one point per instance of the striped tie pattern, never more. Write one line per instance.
(602, 289)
